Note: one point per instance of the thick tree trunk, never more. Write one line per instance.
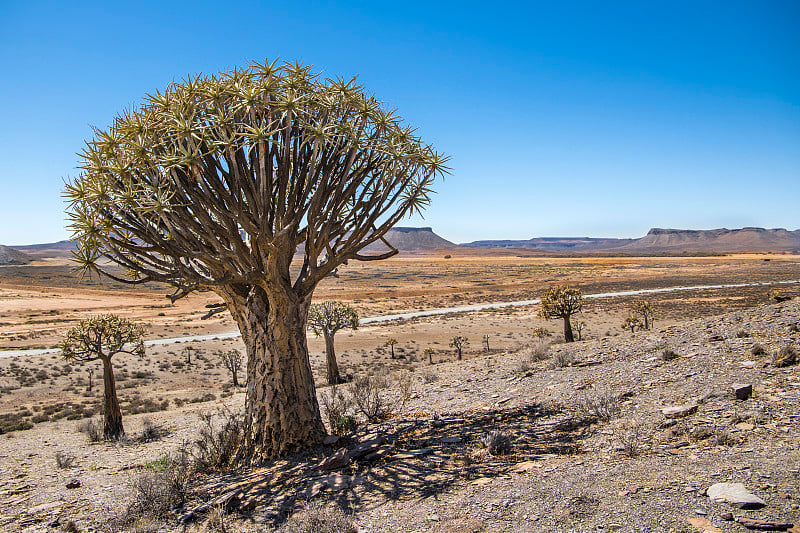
(281, 410)
(568, 337)
(112, 417)
(330, 358)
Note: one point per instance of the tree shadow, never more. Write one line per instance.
(420, 458)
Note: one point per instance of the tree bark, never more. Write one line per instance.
(330, 358)
(112, 416)
(281, 410)
(568, 337)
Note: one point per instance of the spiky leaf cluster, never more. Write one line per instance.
(102, 337)
(560, 301)
(330, 316)
(220, 179)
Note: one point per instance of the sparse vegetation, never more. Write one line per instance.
(326, 319)
(668, 354)
(459, 343)
(337, 408)
(561, 301)
(784, 356)
(320, 517)
(102, 337)
(390, 342)
(563, 359)
(368, 396)
(498, 443)
(600, 404)
(632, 323)
(758, 349)
(645, 310)
(64, 460)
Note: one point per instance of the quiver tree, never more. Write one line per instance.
(644, 309)
(390, 342)
(561, 301)
(429, 352)
(326, 319)
(458, 342)
(631, 323)
(217, 182)
(102, 337)
(579, 326)
(232, 360)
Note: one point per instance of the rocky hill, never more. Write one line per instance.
(10, 256)
(660, 240)
(412, 240)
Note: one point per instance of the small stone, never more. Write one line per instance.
(680, 411)
(338, 460)
(434, 518)
(701, 512)
(744, 426)
(331, 440)
(735, 494)
(726, 516)
(73, 484)
(764, 525)
(742, 391)
(451, 440)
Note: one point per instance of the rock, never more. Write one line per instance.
(380, 453)
(704, 524)
(331, 440)
(764, 525)
(742, 391)
(744, 426)
(73, 484)
(450, 440)
(680, 411)
(726, 516)
(366, 447)
(339, 459)
(736, 495)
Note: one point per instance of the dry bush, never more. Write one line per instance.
(429, 377)
(497, 443)
(337, 408)
(724, 437)
(758, 349)
(156, 494)
(668, 355)
(150, 431)
(368, 396)
(405, 389)
(64, 460)
(320, 518)
(785, 356)
(93, 430)
(600, 404)
(218, 443)
(632, 438)
(742, 334)
(563, 359)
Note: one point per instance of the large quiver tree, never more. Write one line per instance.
(561, 301)
(326, 319)
(216, 183)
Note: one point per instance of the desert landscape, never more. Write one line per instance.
(590, 445)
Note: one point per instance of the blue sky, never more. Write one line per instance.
(581, 119)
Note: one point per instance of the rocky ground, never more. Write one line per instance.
(594, 445)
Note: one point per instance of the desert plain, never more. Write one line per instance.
(653, 484)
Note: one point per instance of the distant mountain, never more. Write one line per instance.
(555, 244)
(716, 240)
(10, 256)
(412, 240)
(660, 240)
(51, 249)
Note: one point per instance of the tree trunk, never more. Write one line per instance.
(112, 417)
(235, 375)
(330, 358)
(281, 410)
(459, 353)
(568, 337)
(646, 322)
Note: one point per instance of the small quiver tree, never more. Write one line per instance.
(644, 309)
(216, 184)
(578, 326)
(232, 360)
(429, 352)
(326, 319)
(102, 337)
(458, 342)
(561, 301)
(390, 342)
(632, 323)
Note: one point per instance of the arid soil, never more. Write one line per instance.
(568, 470)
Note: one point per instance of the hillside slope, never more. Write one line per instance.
(10, 256)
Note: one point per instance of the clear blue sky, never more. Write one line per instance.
(581, 119)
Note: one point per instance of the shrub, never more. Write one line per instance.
(631, 438)
(64, 460)
(758, 349)
(668, 355)
(562, 359)
(742, 334)
(497, 443)
(150, 431)
(430, 377)
(218, 443)
(156, 494)
(336, 406)
(93, 430)
(367, 393)
(320, 518)
(600, 404)
(785, 356)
